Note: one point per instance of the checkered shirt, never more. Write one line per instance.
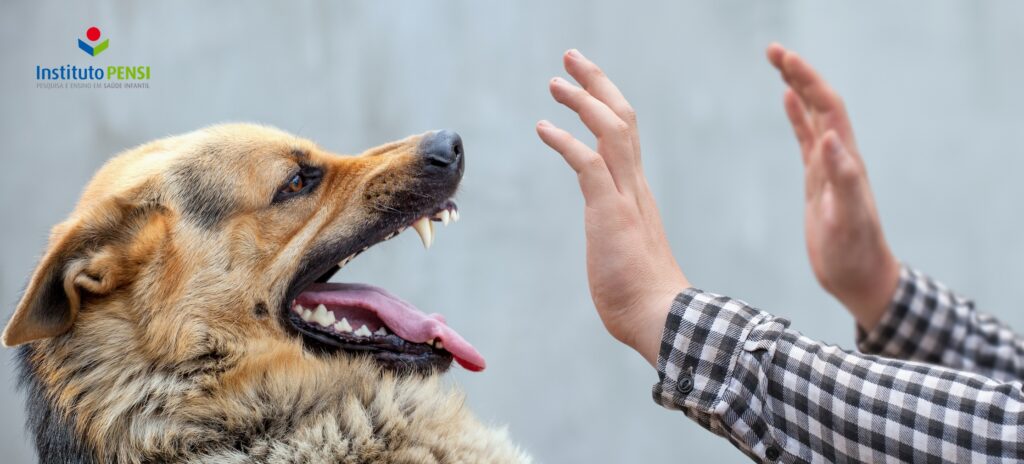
(948, 388)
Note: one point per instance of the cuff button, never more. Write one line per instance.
(685, 384)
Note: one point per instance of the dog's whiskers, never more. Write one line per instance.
(386, 208)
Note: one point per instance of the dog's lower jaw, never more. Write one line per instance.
(265, 407)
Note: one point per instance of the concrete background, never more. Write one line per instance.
(934, 89)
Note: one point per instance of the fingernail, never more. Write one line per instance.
(575, 53)
(544, 123)
(557, 80)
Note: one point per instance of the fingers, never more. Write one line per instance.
(823, 107)
(593, 79)
(811, 87)
(818, 97)
(614, 136)
(595, 180)
(801, 126)
(597, 116)
(832, 164)
(776, 53)
(840, 168)
(815, 175)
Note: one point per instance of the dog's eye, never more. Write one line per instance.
(300, 183)
(296, 183)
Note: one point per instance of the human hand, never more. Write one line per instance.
(632, 274)
(847, 248)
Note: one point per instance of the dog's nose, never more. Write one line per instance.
(442, 150)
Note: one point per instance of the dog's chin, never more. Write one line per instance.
(336, 319)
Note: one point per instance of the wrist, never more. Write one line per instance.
(869, 305)
(649, 325)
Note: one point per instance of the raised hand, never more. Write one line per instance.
(847, 248)
(632, 273)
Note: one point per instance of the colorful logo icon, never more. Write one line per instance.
(93, 49)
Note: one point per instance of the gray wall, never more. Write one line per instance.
(934, 88)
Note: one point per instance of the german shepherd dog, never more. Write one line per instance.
(182, 312)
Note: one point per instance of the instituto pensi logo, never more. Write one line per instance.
(88, 76)
(93, 49)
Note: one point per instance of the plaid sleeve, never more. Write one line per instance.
(779, 396)
(929, 323)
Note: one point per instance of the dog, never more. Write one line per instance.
(182, 312)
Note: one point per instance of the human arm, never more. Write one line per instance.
(779, 396)
(738, 371)
(928, 322)
(847, 248)
(900, 313)
(632, 274)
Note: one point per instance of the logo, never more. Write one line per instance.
(92, 76)
(93, 49)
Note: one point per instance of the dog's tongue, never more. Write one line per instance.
(401, 317)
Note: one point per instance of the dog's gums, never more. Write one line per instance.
(364, 318)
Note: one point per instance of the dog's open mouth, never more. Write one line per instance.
(365, 319)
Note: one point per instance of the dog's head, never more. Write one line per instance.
(228, 235)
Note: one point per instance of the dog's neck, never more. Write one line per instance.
(94, 401)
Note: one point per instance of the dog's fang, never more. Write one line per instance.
(455, 215)
(426, 231)
(445, 216)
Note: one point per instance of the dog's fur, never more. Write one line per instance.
(151, 330)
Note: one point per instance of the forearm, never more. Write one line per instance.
(928, 322)
(778, 395)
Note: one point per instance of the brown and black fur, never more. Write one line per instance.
(153, 328)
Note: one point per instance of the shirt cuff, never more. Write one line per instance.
(923, 318)
(704, 336)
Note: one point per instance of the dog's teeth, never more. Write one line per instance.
(342, 326)
(307, 315)
(425, 228)
(455, 215)
(438, 345)
(298, 309)
(445, 216)
(322, 316)
(381, 331)
(363, 331)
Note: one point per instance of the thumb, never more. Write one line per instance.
(840, 168)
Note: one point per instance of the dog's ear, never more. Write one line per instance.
(87, 253)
